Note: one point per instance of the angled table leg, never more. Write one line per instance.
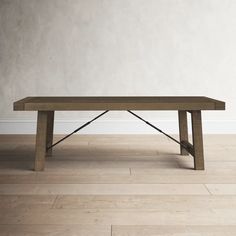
(183, 130)
(50, 124)
(40, 149)
(197, 140)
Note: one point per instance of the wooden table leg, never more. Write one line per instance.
(197, 140)
(50, 124)
(40, 149)
(183, 130)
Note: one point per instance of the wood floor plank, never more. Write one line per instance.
(222, 189)
(185, 170)
(17, 179)
(95, 189)
(173, 230)
(52, 230)
(157, 202)
(118, 217)
(138, 179)
(74, 164)
(24, 201)
(53, 167)
(67, 178)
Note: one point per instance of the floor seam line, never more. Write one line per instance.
(208, 189)
(54, 202)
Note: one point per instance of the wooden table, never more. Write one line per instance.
(46, 106)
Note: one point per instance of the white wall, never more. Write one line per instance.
(117, 47)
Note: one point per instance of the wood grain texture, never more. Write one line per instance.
(183, 131)
(26, 201)
(118, 217)
(158, 202)
(54, 230)
(222, 189)
(118, 103)
(197, 140)
(108, 189)
(120, 230)
(50, 126)
(40, 147)
(137, 177)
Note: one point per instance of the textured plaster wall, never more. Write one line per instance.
(117, 47)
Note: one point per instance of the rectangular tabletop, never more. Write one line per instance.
(117, 103)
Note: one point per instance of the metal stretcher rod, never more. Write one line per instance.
(159, 130)
(75, 131)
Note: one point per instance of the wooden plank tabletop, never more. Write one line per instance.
(117, 103)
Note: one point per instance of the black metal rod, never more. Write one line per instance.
(159, 130)
(75, 131)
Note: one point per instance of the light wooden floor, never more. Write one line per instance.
(118, 185)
